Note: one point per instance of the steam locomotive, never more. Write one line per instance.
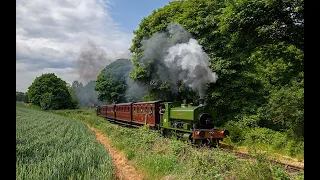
(184, 121)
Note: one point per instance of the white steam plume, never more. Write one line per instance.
(193, 63)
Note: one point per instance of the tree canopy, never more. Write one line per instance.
(114, 84)
(111, 82)
(255, 47)
(21, 96)
(50, 92)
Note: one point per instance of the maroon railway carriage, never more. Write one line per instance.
(146, 113)
(111, 113)
(123, 112)
(103, 111)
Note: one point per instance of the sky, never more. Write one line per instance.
(51, 35)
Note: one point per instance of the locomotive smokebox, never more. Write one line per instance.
(201, 102)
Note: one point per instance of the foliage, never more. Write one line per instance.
(74, 101)
(255, 47)
(266, 38)
(47, 101)
(265, 139)
(251, 23)
(21, 96)
(49, 146)
(50, 92)
(111, 89)
(112, 82)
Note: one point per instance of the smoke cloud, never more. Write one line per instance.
(174, 56)
(91, 61)
(134, 91)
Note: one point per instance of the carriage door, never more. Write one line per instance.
(150, 114)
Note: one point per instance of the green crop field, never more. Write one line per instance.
(50, 146)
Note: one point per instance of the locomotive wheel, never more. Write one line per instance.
(164, 132)
(196, 126)
(215, 143)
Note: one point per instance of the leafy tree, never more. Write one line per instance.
(72, 92)
(77, 84)
(50, 92)
(111, 82)
(279, 67)
(252, 23)
(21, 96)
(268, 38)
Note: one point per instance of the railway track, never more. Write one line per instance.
(288, 167)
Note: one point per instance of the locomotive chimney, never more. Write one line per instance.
(184, 103)
(201, 102)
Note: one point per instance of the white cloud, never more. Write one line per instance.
(27, 77)
(51, 34)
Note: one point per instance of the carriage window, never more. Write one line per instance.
(151, 110)
(146, 109)
(141, 109)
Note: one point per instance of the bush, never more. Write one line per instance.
(237, 130)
